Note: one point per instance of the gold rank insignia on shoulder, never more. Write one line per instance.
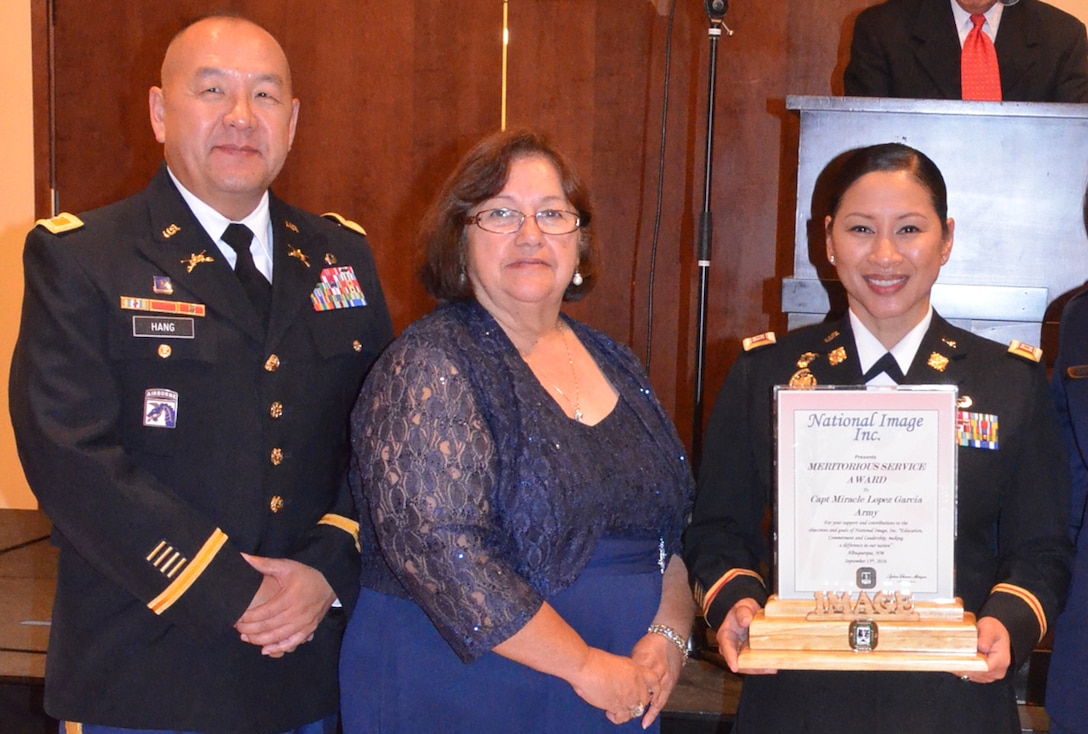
(1025, 350)
(759, 340)
(296, 253)
(346, 223)
(937, 361)
(63, 222)
(837, 356)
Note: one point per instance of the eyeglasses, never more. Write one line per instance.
(509, 221)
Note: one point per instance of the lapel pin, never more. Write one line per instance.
(837, 356)
(162, 285)
(170, 231)
(290, 226)
(330, 259)
(937, 361)
(195, 260)
(298, 255)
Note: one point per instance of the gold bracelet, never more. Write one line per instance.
(672, 636)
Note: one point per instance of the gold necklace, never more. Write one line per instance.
(576, 403)
(570, 360)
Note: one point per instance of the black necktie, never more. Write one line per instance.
(886, 364)
(256, 286)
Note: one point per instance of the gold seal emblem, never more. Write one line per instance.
(802, 378)
(837, 356)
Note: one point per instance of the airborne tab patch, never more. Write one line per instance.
(160, 408)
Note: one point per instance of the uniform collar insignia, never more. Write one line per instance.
(196, 259)
(296, 253)
(937, 361)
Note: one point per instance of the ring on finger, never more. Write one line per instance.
(637, 711)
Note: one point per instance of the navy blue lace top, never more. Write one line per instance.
(484, 498)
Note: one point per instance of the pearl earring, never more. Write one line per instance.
(577, 279)
(831, 259)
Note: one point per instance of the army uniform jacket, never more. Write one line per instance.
(165, 431)
(1011, 556)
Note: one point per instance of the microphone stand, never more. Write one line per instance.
(716, 10)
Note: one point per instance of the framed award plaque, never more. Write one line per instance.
(865, 516)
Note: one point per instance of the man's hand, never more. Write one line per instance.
(292, 600)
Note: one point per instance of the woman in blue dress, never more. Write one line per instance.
(522, 493)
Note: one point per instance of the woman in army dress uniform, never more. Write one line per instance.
(888, 235)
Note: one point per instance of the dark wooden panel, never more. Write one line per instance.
(393, 93)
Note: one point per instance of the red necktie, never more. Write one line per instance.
(978, 65)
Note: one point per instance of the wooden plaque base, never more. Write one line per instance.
(786, 636)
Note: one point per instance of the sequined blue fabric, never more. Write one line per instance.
(485, 498)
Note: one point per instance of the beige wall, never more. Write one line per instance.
(1078, 8)
(16, 217)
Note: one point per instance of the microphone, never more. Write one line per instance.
(717, 9)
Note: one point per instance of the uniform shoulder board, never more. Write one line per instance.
(347, 223)
(63, 222)
(759, 340)
(1028, 352)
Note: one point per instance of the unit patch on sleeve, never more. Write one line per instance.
(338, 288)
(160, 408)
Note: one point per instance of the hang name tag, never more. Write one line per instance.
(977, 430)
(338, 288)
(163, 327)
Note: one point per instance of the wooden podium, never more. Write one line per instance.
(791, 635)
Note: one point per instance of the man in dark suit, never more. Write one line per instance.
(180, 397)
(911, 48)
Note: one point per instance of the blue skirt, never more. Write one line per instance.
(397, 674)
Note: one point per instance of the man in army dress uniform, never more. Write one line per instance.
(180, 393)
